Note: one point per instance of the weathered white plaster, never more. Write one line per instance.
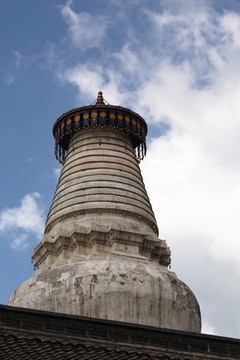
(121, 288)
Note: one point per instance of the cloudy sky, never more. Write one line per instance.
(175, 62)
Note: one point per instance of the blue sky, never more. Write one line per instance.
(176, 63)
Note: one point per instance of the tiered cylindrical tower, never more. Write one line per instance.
(100, 255)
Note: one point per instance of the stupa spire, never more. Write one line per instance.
(100, 98)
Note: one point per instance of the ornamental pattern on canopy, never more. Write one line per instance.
(94, 116)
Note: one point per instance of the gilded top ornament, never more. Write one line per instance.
(100, 99)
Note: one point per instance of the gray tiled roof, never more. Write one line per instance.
(31, 334)
(13, 347)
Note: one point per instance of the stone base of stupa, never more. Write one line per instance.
(122, 288)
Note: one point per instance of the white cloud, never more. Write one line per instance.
(11, 74)
(85, 30)
(9, 78)
(89, 78)
(197, 162)
(57, 172)
(20, 242)
(86, 77)
(231, 23)
(19, 222)
(18, 58)
(196, 192)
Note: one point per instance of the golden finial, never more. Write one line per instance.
(100, 99)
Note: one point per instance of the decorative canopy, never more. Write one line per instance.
(99, 115)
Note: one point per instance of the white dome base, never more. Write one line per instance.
(118, 288)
